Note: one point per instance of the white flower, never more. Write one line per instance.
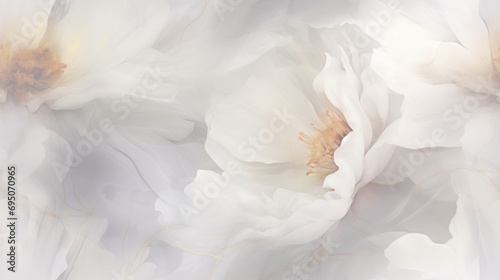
(439, 42)
(85, 52)
(84, 144)
(442, 57)
(472, 251)
(285, 182)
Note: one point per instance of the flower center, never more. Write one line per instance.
(324, 143)
(25, 70)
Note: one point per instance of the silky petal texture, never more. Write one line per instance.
(479, 183)
(169, 148)
(425, 206)
(262, 211)
(379, 215)
(273, 104)
(434, 50)
(282, 116)
(462, 256)
(486, 11)
(434, 115)
(341, 87)
(462, 17)
(124, 146)
(152, 165)
(118, 81)
(484, 122)
(435, 63)
(44, 246)
(23, 24)
(83, 253)
(239, 217)
(473, 248)
(211, 58)
(418, 252)
(112, 57)
(23, 137)
(117, 36)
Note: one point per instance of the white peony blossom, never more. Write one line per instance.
(77, 111)
(294, 149)
(228, 139)
(69, 53)
(442, 57)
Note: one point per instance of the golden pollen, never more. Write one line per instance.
(26, 70)
(324, 143)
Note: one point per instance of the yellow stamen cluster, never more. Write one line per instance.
(324, 143)
(27, 70)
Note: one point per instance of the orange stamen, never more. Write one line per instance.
(325, 142)
(26, 70)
